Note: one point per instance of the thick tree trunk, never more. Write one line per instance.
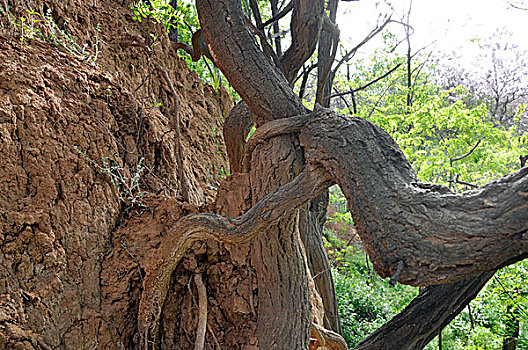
(311, 220)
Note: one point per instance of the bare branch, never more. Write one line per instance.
(452, 160)
(278, 16)
(371, 35)
(517, 7)
(366, 85)
(464, 183)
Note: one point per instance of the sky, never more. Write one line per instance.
(447, 25)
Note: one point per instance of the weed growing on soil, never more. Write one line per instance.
(38, 26)
(128, 187)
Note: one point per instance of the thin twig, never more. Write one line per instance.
(510, 296)
(279, 15)
(452, 160)
(464, 183)
(353, 51)
(366, 85)
(177, 133)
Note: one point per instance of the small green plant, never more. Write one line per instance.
(61, 37)
(27, 25)
(38, 26)
(155, 105)
(223, 172)
(128, 187)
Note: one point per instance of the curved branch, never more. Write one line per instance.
(452, 160)
(440, 236)
(192, 228)
(272, 129)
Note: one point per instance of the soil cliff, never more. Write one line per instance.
(71, 251)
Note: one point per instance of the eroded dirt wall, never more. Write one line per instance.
(58, 215)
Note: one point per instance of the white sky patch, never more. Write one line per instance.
(449, 24)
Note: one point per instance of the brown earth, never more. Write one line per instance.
(71, 253)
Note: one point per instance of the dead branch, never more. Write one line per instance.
(177, 133)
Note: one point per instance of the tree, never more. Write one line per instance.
(410, 229)
(234, 273)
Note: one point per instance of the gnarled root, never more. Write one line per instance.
(309, 184)
(322, 337)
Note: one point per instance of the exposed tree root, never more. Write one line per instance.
(202, 312)
(196, 227)
(326, 339)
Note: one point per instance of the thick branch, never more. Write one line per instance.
(440, 236)
(272, 129)
(244, 65)
(434, 307)
(237, 125)
(306, 24)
